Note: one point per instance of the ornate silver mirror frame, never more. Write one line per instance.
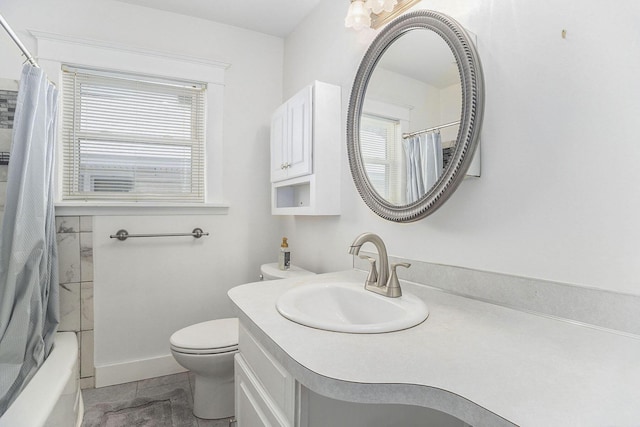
(472, 88)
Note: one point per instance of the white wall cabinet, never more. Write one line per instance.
(291, 141)
(305, 152)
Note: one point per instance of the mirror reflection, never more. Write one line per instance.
(410, 116)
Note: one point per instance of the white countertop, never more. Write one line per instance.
(483, 363)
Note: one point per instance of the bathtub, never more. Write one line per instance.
(52, 398)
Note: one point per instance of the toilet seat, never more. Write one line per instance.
(205, 351)
(211, 337)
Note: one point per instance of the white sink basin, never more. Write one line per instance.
(348, 307)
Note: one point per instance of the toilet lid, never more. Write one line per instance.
(220, 334)
(272, 271)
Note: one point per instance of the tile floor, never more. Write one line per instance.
(148, 389)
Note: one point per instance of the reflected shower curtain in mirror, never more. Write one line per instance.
(423, 155)
(28, 252)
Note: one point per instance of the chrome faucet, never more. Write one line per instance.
(379, 281)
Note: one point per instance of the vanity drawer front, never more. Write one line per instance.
(274, 378)
(253, 405)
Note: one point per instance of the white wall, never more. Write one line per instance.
(450, 110)
(557, 198)
(147, 289)
(422, 100)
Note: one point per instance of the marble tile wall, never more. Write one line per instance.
(8, 94)
(75, 259)
(8, 100)
(5, 147)
(3, 187)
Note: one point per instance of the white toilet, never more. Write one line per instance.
(207, 350)
(272, 272)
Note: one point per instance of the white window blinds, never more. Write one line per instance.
(382, 155)
(132, 138)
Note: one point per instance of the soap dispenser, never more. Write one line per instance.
(284, 257)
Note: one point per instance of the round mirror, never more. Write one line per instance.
(414, 115)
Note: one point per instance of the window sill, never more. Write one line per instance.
(139, 209)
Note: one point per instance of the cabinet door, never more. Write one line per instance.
(279, 145)
(253, 406)
(299, 122)
(248, 413)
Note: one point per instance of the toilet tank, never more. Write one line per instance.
(272, 272)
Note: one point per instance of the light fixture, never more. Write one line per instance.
(374, 13)
(358, 16)
(378, 6)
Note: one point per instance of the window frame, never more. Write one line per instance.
(189, 138)
(55, 49)
(393, 161)
(397, 113)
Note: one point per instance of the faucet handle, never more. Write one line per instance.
(393, 285)
(399, 264)
(372, 278)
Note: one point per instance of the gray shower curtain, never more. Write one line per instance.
(28, 252)
(424, 160)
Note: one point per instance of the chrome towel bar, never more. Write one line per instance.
(124, 234)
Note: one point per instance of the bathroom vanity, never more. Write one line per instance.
(470, 363)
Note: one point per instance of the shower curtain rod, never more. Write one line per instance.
(409, 135)
(17, 41)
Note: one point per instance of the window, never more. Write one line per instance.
(132, 138)
(382, 155)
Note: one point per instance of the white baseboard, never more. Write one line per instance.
(136, 370)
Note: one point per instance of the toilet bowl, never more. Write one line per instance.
(207, 350)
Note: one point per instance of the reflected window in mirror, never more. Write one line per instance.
(382, 154)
